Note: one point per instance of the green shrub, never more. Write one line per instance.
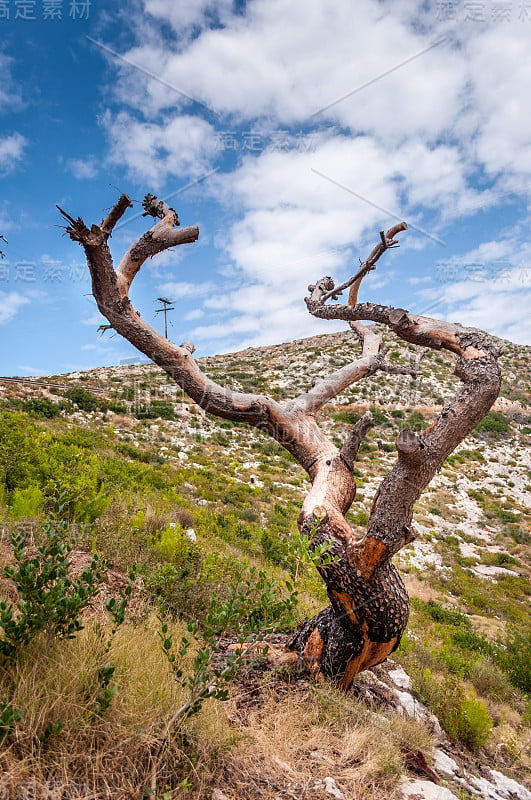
(415, 421)
(379, 417)
(84, 400)
(115, 406)
(8, 719)
(350, 417)
(463, 456)
(360, 518)
(494, 423)
(181, 586)
(444, 615)
(26, 502)
(489, 681)
(516, 659)
(491, 507)
(469, 640)
(19, 453)
(157, 409)
(249, 515)
(462, 715)
(474, 722)
(173, 545)
(50, 600)
(500, 559)
(41, 407)
(254, 602)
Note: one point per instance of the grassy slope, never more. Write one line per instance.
(129, 478)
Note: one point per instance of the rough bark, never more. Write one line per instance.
(369, 606)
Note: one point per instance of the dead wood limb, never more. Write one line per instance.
(368, 603)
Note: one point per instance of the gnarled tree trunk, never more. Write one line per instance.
(369, 605)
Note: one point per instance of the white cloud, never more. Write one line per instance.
(10, 304)
(11, 151)
(395, 72)
(181, 289)
(288, 60)
(418, 280)
(494, 306)
(182, 14)
(498, 87)
(10, 96)
(182, 146)
(296, 226)
(410, 125)
(196, 313)
(295, 222)
(83, 168)
(488, 287)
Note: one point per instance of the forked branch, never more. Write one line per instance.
(369, 605)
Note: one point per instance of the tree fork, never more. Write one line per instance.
(369, 605)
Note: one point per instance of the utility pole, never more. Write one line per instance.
(167, 306)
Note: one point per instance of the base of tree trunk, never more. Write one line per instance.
(348, 637)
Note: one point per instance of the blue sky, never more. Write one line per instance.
(291, 132)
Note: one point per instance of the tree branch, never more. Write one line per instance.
(419, 457)
(153, 207)
(412, 328)
(372, 360)
(387, 241)
(160, 237)
(110, 288)
(116, 213)
(349, 451)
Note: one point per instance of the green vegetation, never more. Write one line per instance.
(80, 681)
(494, 423)
(350, 417)
(463, 456)
(42, 407)
(50, 601)
(462, 715)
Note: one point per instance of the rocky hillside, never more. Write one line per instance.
(156, 465)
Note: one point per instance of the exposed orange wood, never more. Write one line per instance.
(313, 654)
(346, 602)
(373, 653)
(370, 554)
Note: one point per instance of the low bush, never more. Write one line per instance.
(494, 424)
(489, 681)
(350, 417)
(86, 401)
(463, 716)
(50, 600)
(516, 658)
(41, 407)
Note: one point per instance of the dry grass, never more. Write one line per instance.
(291, 743)
(288, 741)
(109, 756)
(420, 589)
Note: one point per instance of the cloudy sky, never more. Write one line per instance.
(291, 132)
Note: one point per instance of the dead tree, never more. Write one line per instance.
(369, 605)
